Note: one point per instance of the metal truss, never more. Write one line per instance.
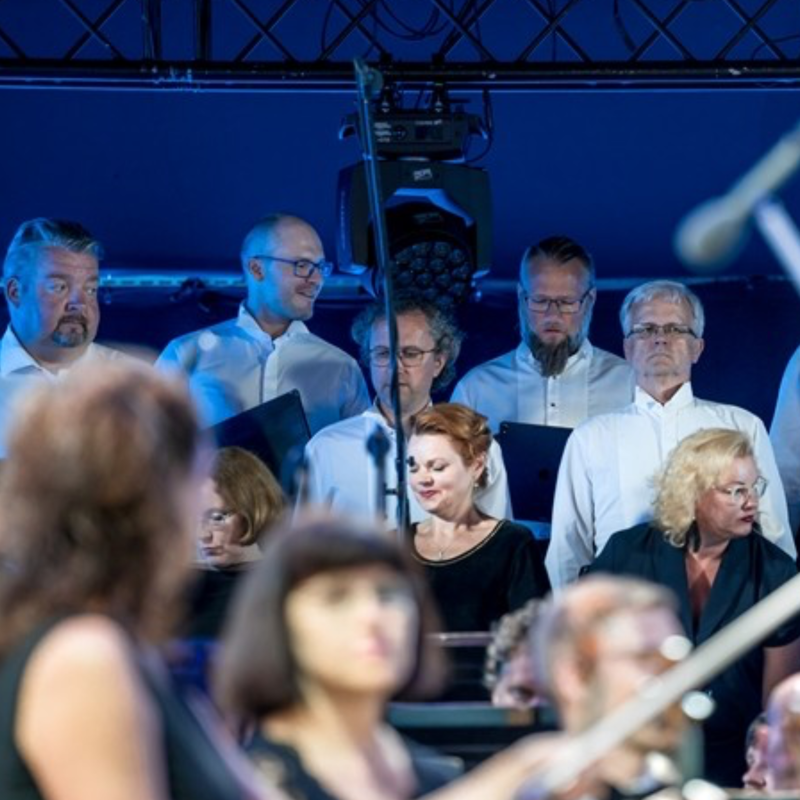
(276, 45)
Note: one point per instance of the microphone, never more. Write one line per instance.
(713, 233)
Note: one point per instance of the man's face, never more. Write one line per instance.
(516, 686)
(53, 305)
(661, 357)
(551, 332)
(273, 286)
(629, 652)
(415, 379)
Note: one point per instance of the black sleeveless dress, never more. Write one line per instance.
(195, 769)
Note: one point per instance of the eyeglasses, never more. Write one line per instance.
(410, 356)
(668, 331)
(738, 495)
(541, 305)
(302, 267)
(215, 518)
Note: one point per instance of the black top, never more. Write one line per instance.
(751, 568)
(498, 575)
(195, 770)
(282, 766)
(210, 596)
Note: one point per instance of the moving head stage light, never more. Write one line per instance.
(438, 213)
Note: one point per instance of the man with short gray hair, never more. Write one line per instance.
(606, 478)
(51, 279)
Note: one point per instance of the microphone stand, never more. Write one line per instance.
(369, 83)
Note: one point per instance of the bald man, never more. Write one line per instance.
(267, 350)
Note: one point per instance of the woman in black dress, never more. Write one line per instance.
(705, 544)
(479, 567)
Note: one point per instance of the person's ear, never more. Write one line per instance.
(12, 289)
(698, 345)
(256, 268)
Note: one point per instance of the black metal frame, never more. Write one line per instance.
(568, 62)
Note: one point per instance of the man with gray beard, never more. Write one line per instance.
(51, 278)
(555, 376)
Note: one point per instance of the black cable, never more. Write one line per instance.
(488, 117)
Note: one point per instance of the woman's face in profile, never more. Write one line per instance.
(729, 509)
(354, 630)
(221, 529)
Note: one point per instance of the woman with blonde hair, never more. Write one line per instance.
(705, 544)
(241, 501)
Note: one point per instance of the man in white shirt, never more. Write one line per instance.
(785, 436)
(555, 376)
(267, 350)
(342, 474)
(51, 278)
(606, 479)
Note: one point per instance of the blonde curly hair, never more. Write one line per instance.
(693, 468)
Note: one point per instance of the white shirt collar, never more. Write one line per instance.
(681, 399)
(248, 323)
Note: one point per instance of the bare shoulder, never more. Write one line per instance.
(88, 642)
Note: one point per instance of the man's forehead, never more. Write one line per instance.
(638, 632)
(290, 236)
(662, 307)
(409, 322)
(57, 261)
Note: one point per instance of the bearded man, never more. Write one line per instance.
(555, 376)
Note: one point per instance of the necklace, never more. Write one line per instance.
(441, 551)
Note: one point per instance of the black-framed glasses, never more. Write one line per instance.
(302, 267)
(563, 305)
(739, 494)
(669, 331)
(410, 356)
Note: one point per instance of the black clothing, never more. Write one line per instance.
(751, 568)
(195, 770)
(282, 766)
(498, 575)
(210, 596)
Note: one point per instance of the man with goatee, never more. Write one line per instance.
(50, 278)
(555, 376)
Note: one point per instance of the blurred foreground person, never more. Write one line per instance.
(329, 627)
(99, 498)
(479, 567)
(783, 737)
(706, 545)
(595, 644)
(240, 502)
(755, 779)
(509, 671)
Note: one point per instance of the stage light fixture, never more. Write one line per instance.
(438, 213)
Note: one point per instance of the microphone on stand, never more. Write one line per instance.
(712, 234)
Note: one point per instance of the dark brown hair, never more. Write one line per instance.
(257, 671)
(466, 429)
(93, 516)
(249, 488)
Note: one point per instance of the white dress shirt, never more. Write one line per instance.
(235, 366)
(605, 482)
(20, 371)
(511, 388)
(342, 474)
(785, 436)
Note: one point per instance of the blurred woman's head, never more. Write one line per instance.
(334, 608)
(448, 452)
(99, 497)
(711, 480)
(241, 500)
